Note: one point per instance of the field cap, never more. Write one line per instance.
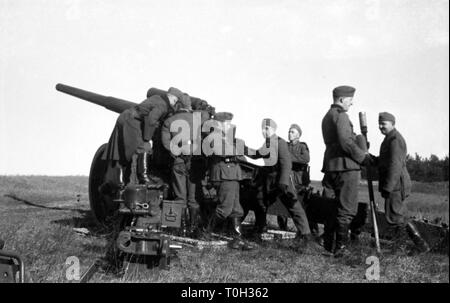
(344, 91)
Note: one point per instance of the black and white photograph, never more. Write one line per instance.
(224, 146)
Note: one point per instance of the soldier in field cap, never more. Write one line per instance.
(277, 182)
(342, 169)
(225, 174)
(299, 152)
(394, 181)
(133, 133)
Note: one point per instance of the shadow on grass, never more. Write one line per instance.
(87, 220)
(29, 203)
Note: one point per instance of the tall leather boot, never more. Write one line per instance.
(193, 227)
(282, 223)
(329, 233)
(358, 223)
(214, 224)
(143, 162)
(415, 236)
(328, 241)
(260, 222)
(114, 183)
(238, 242)
(341, 240)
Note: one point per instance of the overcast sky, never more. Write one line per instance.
(257, 59)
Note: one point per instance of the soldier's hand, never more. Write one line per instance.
(367, 160)
(374, 159)
(249, 152)
(283, 188)
(148, 145)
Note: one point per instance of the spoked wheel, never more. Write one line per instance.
(101, 205)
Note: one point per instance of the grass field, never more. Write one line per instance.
(38, 214)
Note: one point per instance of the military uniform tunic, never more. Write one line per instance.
(300, 158)
(134, 127)
(394, 179)
(225, 174)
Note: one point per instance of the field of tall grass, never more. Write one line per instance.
(38, 214)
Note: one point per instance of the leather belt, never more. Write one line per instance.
(230, 160)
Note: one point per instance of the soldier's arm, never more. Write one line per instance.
(254, 153)
(251, 153)
(301, 154)
(152, 119)
(346, 139)
(396, 159)
(285, 161)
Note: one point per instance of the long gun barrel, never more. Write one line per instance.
(111, 103)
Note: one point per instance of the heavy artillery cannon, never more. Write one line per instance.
(103, 205)
(144, 209)
(141, 217)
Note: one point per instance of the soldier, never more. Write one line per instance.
(300, 157)
(134, 131)
(299, 152)
(225, 174)
(177, 136)
(394, 181)
(277, 183)
(342, 168)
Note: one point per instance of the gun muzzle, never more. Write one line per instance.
(363, 122)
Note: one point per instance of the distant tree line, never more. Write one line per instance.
(430, 169)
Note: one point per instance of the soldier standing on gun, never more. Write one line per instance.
(277, 182)
(177, 136)
(134, 131)
(299, 152)
(342, 168)
(394, 181)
